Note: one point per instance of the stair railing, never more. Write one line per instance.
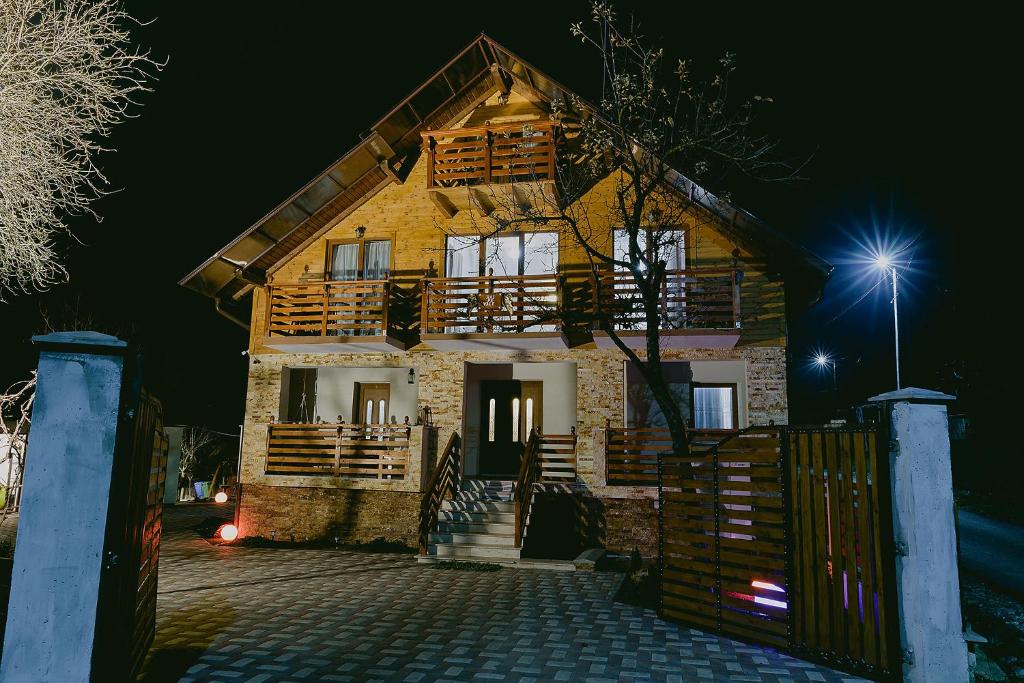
(442, 485)
(529, 474)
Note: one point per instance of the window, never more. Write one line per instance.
(671, 249)
(359, 260)
(714, 406)
(525, 253)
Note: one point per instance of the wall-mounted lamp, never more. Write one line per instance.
(360, 231)
(412, 375)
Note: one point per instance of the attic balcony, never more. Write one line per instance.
(511, 313)
(491, 166)
(700, 307)
(362, 316)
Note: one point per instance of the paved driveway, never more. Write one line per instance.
(258, 614)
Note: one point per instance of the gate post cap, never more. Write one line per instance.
(82, 341)
(913, 395)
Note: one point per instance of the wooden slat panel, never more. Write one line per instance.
(344, 450)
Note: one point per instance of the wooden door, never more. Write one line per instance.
(373, 403)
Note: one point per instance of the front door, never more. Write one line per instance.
(373, 402)
(509, 410)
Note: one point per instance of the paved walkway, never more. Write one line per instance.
(260, 614)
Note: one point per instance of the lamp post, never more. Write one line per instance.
(823, 360)
(884, 262)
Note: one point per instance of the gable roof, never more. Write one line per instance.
(393, 144)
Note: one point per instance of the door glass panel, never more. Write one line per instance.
(502, 255)
(345, 262)
(515, 419)
(490, 420)
(713, 408)
(462, 260)
(529, 416)
(540, 253)
(382, 417)
(369, 411)
(376, 260)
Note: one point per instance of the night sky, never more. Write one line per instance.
(909, 119)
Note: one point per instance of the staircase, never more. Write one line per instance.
(477, 524)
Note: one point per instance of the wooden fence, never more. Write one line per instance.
(491, 154)
(351, 451)
(491, 304)
(784, 537)
(631, 453)
(723, 549)
(558, 458)
(321, 309)
(842, 561)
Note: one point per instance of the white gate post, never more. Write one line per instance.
(927, 582)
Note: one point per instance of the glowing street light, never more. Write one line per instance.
(885, 262)
(822, 360)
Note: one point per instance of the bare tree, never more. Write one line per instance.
(652, 124)
(195, 442)
(15, 419)
(68, 74)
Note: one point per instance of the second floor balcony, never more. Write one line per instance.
(700, 308)
(482, 167)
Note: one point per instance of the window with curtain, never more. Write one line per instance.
(672, 249)
(345, 261)
(714, 407)
(376, 259)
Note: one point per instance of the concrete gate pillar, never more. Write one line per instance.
(927, 581)
(59, 559)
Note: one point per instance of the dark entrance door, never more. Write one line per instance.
(502, 428)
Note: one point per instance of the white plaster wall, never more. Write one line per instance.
(335, 386)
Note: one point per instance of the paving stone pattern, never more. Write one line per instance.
(270, 614)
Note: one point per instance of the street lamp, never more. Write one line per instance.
(823, 360)
(884, 261)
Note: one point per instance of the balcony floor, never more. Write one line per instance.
(523, 341)
(336, 344)
(672, 339)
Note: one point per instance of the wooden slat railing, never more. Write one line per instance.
(491, 304)
(321, 309)
(351, 451)
(558, 458)
(522, 494)
(442, 485)
(696, 298)
(493, 154)
(631, 453)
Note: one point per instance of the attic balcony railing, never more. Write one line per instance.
(333, 308)
(519, 152)
(704, 298)
(491, 304)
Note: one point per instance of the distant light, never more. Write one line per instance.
(821, 360)
(767, 586)
(228, 532)
(221, 497)
(883, 261)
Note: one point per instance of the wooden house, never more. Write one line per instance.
(401, 358)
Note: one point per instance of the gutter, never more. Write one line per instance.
(241, 323)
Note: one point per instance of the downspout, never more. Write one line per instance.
(241, 323)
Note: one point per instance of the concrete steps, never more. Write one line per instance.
(478, 524)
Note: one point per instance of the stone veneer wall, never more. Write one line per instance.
(313, 506)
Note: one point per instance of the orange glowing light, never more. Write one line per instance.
(221, 497)
(228, 532)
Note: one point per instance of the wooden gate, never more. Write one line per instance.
(843, 554)
(724, 538)
(783, 537)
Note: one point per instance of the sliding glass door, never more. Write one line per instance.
(355, 261)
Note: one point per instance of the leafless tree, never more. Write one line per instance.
(15, 419)
(68, 74)
(195, 443)
(663, 139)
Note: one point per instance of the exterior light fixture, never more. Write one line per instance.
(360, 231)
(412, 375)
(228, 532)
(823, 361)
(885, 262)
(221, 497)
